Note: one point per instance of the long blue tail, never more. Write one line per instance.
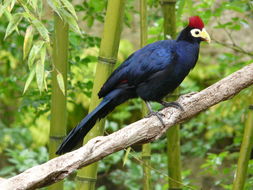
(76, 135)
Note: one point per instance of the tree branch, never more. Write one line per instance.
(2, 179)
(144, 130)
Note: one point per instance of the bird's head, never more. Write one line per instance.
(195, 31)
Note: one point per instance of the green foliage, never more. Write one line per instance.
(22, 160)
(14, 21)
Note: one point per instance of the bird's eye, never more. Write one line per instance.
(195, 32)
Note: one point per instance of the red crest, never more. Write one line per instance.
(196, 22)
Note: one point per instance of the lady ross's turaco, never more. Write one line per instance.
(150, 73)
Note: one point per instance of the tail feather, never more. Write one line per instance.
(78, 133)
(112, 100)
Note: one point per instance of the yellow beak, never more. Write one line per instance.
(205, 36)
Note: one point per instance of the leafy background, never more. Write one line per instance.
(210, 141)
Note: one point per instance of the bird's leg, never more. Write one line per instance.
(157, 114)
(171, 104)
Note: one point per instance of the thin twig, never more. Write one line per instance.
(234, 47)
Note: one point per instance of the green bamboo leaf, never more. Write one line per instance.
(10, 7)
(41, 29)
(7, 14)
(43, 54)
(126, 155)
(40, 69)
(69, 7)
(39, 74)
(3, 7)
(37, 24)
(29, 80)
(34, 52)
(27, 41)
(40, 9)
(46, 73)
(61, 82)
(28, 9)
(14, 21)
(55, 5)
(34, 4)
(71, 21)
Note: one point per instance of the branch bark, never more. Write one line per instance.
(2, 179)
(144, 130)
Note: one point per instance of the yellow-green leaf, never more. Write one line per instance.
(7, 14)
(39, 74)
(4, 6)
(10, 7)
(55, 5)
(29, 79)
(34, 52)
(40, 68)
(41, 29)
(34, 4)
(61, 82)
(40, 8)
(27, 41)
(43, 54)
(126, 155)
(46, 73)
(71, 21)
(14, 21)
(70, 8)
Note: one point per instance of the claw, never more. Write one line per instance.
(152, 113)
(158, 115)
(172, 104)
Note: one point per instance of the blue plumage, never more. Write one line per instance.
(149, 73)
(155, 70)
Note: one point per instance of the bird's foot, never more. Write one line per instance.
(172, 104)
(152, 113)
(158, 115)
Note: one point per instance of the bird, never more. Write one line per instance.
(150, 73)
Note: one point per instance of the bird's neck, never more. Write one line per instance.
(187, 53)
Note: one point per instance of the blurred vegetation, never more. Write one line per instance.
(210, 141)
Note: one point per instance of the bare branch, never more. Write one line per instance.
(144, 130)
(2, 179)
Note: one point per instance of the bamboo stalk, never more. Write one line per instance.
(58, 120)
(246, 147)
(146, 155)
(86, 177)
(146, 148)
(169, 15)
(174, 162)
(173, 134)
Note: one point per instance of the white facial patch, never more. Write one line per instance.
(196, 33)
